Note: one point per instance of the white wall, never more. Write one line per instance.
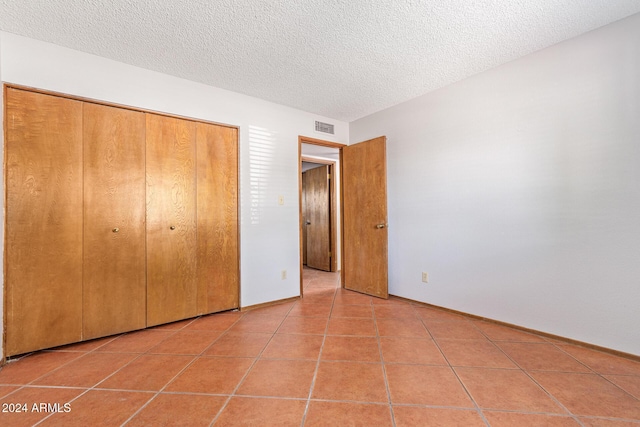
(268, 145)
(518, 190)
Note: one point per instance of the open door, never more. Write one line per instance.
(317, 218)
(364, 184)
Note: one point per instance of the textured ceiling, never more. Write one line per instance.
(340, 58)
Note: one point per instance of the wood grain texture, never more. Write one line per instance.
(303, 198)
(171, 202)
(318, 218)
(217, 218)
(364, 207)
(43, 221)
(114, 296)
(334, 217)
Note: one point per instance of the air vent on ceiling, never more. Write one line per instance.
(324, 127)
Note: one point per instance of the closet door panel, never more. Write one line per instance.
(43, 221)
(217, 218)
(171, 220)
(114, 297)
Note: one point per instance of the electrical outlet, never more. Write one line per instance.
(284, 274)
(425, 277)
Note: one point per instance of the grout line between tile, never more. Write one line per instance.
(315, 373)
(384, 369)
(551, 396)
(478, 410)
(196, 357)
(255, 360)
(95, 386)
(593, 371)
(157, 393)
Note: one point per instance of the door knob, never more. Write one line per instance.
(173, 227)
(308, 222)
(381, 225)
(115, 230)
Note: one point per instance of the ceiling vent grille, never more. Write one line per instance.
(324, 127)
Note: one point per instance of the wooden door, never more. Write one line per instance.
(114, 295)
(217, 218)
(365, 217)
(171, 219)
(43, 221)
(318, 218)
(303, 201)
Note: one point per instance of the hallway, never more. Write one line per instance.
(334, 357)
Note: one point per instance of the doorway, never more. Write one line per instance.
(362, 253)
(318, 214)
(320, 218)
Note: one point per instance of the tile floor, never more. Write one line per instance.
(333, 358)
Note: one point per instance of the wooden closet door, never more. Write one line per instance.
(114, 296)
(217, 231)
(44, 221)
(171, 219)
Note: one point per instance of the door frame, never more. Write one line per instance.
(333, 216)
(330, 144)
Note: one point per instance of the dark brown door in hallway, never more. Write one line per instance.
(317, 218)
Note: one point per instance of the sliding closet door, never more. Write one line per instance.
(217, 218)
(44, 221)
(171, 219)
(114, 221)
